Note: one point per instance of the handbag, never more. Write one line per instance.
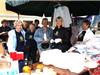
(45, 45)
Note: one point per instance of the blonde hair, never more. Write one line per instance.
(17, 22)
(60, 18)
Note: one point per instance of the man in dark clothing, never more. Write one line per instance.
(25, 26)
(36, 22)
(4, 32)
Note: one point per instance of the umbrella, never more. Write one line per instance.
(32, 8)
(29, 7)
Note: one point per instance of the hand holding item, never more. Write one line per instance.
(45, 41)
(52, 41)
(58, 40)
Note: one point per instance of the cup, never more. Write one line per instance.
(13, 55)
(20, 56)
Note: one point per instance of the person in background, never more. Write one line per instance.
(36, 22)
(75, 31)
(25, 26)
(86, 35)
(16, 41)
(43, 36)
(61, 36)
(31, 45)
(98, 29)
(4, 29)
(4, 32)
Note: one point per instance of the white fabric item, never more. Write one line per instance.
(91, 64)
(58, 40)
(62, 11)
(72, 61)
(52, 41)
(45, 37)
(88, 37)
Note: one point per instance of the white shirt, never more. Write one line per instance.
(62, 11)
(89, 36)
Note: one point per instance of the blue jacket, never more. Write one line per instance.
(39, 34)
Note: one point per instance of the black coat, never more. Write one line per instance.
(29, 37)
(4, 37)
(31, 46)
(63, 34)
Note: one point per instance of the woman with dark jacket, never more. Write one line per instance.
(31, 45)
(61, 36)
(16, 41)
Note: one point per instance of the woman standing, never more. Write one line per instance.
(31, 44)
(61, 36)
(16, 41)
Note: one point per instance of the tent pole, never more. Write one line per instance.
(18, 16)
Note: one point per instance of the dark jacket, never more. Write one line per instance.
(4, 37)
(64, 35)
(31, 45)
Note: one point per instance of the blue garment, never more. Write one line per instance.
(39, 36)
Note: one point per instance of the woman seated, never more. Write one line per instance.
(61, 36)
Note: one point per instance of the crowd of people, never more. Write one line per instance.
(32, 39)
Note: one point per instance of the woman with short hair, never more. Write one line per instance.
(62, 34)
(16, 41)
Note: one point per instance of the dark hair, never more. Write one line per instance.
(87, 22)
(36, 20)
(4, 21)
(44, 19)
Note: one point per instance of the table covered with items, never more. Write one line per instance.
(78, 59)
(74, 62)
(83, 56)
